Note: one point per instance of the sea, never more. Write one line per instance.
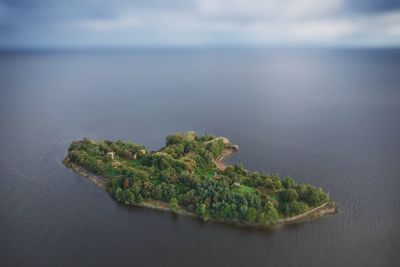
(327, 117)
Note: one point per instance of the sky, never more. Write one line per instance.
(161, 23)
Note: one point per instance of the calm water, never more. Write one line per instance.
(329, 118)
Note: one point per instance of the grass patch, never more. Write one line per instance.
(245, 189)
(206, 172)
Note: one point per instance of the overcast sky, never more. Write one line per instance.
(142, 23)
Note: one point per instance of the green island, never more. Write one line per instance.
(188, 177)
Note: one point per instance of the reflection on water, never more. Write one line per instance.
(329, 118)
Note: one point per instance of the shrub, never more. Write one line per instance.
(289, 195)
(173, 204)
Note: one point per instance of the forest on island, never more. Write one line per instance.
(184, 175)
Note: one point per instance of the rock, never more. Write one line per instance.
(141, 152)
(110, 155)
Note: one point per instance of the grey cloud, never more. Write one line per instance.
(375, 6)
(25, 22)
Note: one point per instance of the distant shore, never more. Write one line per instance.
(314, 213)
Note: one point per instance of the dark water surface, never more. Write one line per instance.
(329, 118)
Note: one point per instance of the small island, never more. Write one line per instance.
(188, 177)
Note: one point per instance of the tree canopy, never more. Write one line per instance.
(184, 175)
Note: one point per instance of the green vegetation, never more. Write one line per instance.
(183, 175)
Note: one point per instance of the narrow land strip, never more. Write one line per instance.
(219, 161)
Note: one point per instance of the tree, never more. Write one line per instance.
(294, 208)
(99, 166)
(227, 211)
(129, 196)
(173, 204)
(174, 139)
(119, 194)
(87, 141)
(158, 192)
(189, 197)
(261, 217)
(202, 212)
(251, 215)
(288, 182)
(271, 214)
(216, 147)
(289, 195)
(126, 154)
(314, 196)
(137, 186)
(243, 210)
(139, 198)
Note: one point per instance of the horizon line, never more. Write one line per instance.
(193, 47)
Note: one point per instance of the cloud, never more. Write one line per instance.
(268, 9)
(198, 22)
(115, 24)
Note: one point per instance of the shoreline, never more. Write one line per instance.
(314, 213)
